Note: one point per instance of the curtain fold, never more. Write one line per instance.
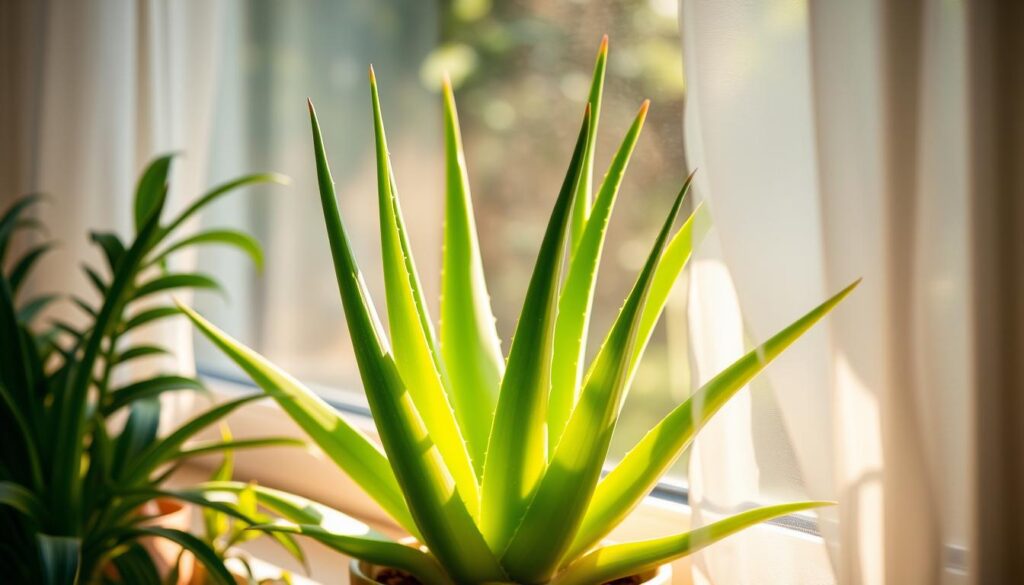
(831, 140)
(114, 84)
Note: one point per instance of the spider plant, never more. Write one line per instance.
(494, 463)
(72, 482)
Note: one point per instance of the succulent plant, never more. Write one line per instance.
(495, 464)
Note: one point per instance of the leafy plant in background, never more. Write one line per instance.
(72, 487)
(495, 464)
(223, 532)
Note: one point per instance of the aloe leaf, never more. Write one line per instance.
(380, 552)
(349, 448)
(581, 208)
(234, 238)
(517, 448)
(470, 347)
(220, 191)
(411, 333)
(147, 388)
(150, 194)
(168, 282)
(568, 483)
(21, 270)
(235, 444)
(627, 484)
(202, 551)
(149, 315)
(60, 557)
(21, 499)
(616, 561)
(677, 254)
(578, 292)
(444, 521)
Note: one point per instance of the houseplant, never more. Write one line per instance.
(75, 484)
(494, 464)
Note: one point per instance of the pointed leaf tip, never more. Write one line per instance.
(604, 45)
(373, 76)
(309, 104)
(644, 107)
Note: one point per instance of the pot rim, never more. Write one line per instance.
(362, 570)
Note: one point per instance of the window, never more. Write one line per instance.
(521, 71)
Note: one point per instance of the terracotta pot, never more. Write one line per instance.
(363, 573)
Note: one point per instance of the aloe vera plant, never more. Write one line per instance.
(495, 463)
(73, 482)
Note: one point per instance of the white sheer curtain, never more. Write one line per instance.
(831, 143)
(104, 86)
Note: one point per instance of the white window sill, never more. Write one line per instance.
(310, 474)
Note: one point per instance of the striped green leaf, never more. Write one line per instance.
(517, 448)
(470, 347)
(632, 479)
(60, 557)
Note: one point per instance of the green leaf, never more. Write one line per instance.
(21, 270)
(29, 310)
(139, 351)
(220, 191)
(616, 561)
(234, 238)
(627, 484)
(139, 433)
(470, 347)
(178, 280)
(148, 388)
(60, 557)
(162, 451)
(10, 221)
(444, 522)
(202, 551)
(517, 448)
(568, 483)
(151, 192)
(581, 209)
(377, 551)
(112, 247)
(21, 499)
(577, 296)
(349, 448)
(235, 444)
(84, 306)
(148, 315)
(136, 566)
(96, 280)
(411, 331)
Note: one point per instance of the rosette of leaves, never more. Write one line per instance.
(72, 484)
(494, 463)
